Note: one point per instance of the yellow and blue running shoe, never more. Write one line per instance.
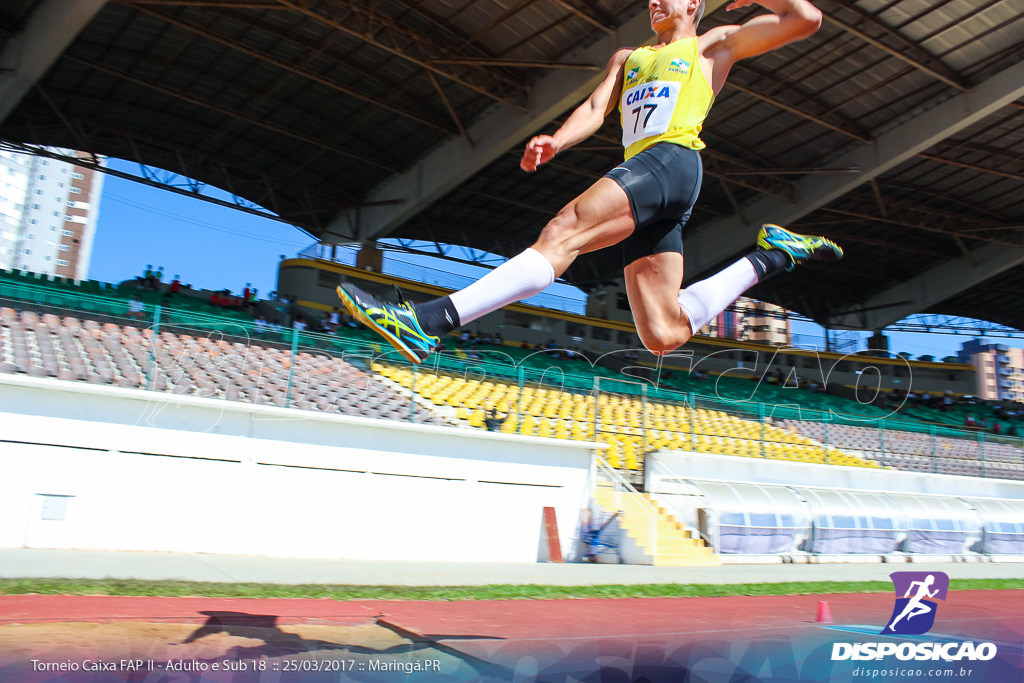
(800, 248)
(396, 322)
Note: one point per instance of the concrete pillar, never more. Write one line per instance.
(879, 342)
(597, 303)
(370, 258)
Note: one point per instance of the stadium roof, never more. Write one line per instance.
(897, 129)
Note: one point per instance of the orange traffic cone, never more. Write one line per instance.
(824, 614)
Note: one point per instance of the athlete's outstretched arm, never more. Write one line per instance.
(583, 122)
(790, 20)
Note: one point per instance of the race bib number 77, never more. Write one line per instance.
(647, 110)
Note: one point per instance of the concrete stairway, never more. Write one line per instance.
(676, 546)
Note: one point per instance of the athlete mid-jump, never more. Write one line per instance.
(664, 93)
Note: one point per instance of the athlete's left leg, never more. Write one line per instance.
(666, 317)
(652, 285)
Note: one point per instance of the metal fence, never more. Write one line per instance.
(204, 354)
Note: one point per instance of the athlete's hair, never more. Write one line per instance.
(698, 14)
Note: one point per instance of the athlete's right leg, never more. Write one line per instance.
(599, 217)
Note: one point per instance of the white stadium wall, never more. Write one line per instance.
(90, 467)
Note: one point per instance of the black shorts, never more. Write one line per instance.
(662, 183)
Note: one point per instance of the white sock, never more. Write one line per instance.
(518, 278)
(704, 300)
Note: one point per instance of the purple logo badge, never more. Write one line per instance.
(916, 593)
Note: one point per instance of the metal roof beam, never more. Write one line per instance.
(402, 42)
(225, 168)
(288, 66)
(30, 54)
(723, 239)
(906, 51)
(496, 131)
(225, 111)
(930, 287)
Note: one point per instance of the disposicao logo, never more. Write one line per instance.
(914, 615)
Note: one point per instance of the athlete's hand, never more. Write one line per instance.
(539, 150)
(738, 4)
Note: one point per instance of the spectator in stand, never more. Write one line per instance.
(969, 422)
(335, 318)
(492, 421)
(246, 298)
(251, 299)
(136, 309)
(215, 300)
(997, 428)
(293, 308)
(147, 276)
(174, 288)
(1012, 431)
(275, 327)
(158, 277)
(525, 345)
(325, 324)
(300, 323)
(260, 325)
(498, 340)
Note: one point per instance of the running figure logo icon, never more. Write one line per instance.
(914, 612)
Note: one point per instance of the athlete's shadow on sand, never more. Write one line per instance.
(278, 643)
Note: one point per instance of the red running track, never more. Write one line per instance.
(559, 639)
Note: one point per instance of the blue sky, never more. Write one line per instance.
(214, 247)
(211, 247)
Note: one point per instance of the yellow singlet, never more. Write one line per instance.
(665, 97)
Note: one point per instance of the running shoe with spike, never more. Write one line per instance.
(396, 322)
(800, 248)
